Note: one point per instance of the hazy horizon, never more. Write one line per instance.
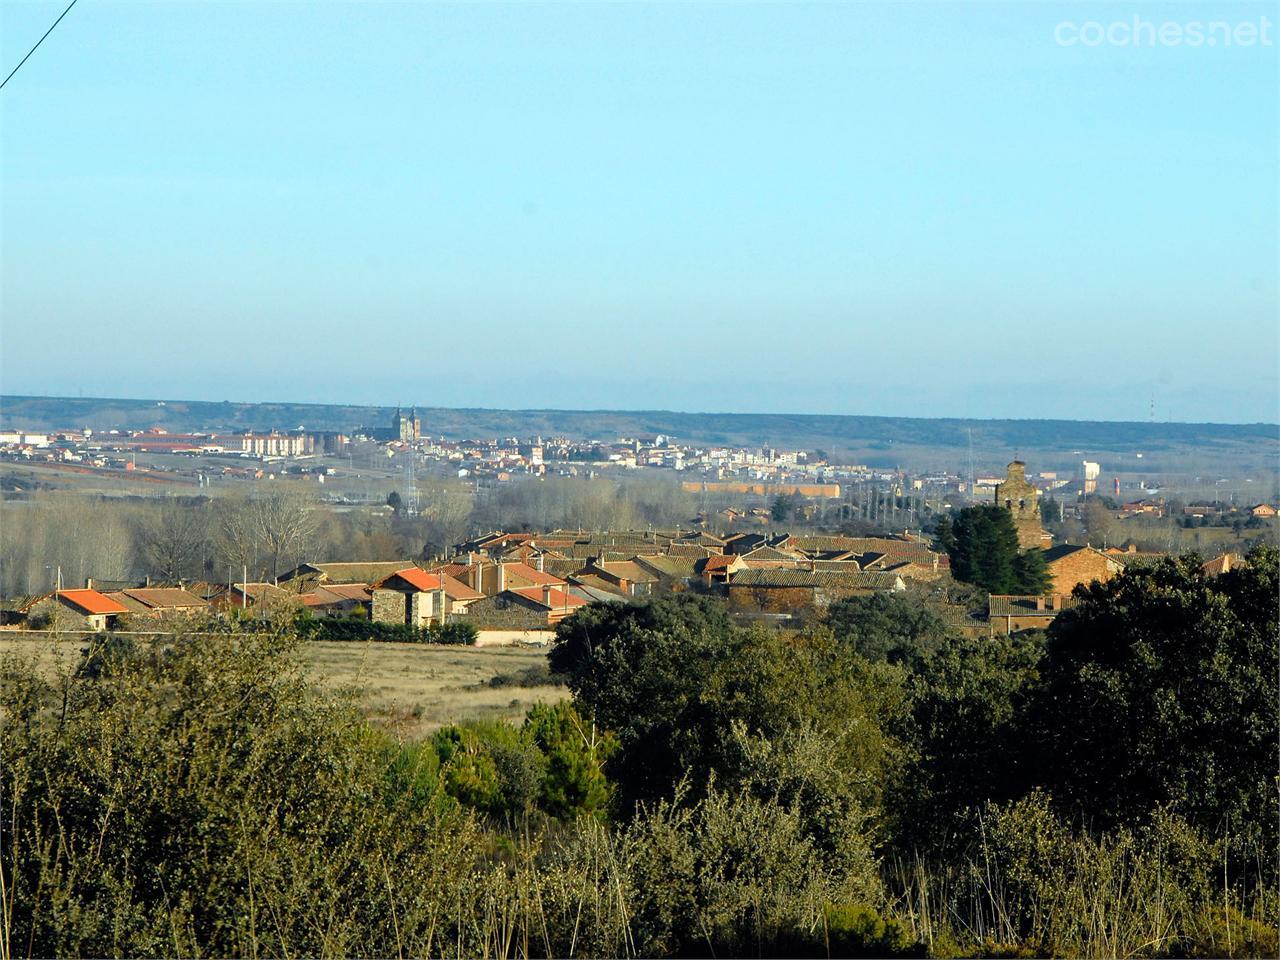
(388, 405)
(924, 210)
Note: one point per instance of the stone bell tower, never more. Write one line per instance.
(1022, 500)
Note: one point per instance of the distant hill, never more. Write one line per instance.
(879, 441)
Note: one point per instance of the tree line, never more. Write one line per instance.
(269, 530)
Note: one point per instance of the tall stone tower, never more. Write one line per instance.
(1022, 500)
(406, 428)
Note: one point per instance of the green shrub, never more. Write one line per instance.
(853, 930)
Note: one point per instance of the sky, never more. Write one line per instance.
(905, 209)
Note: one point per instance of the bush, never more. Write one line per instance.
(1063, 892)
(199, 797)
(728, 875)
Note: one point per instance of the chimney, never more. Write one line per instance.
(542, 563)
(546, 594)
(502, 576)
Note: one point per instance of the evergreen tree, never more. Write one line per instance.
(944, 537)
(986, 549)
(1031, 573)
(782, 507)
(1159, 689)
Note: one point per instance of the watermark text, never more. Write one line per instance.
(1138, 31)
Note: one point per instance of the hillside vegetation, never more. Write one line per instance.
(873, 786)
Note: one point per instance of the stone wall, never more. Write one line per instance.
(388, 606)
(52, 615)
(495, 613)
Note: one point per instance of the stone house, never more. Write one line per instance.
(768, 557)
(491, 578)
(524, 608)
(1070, 566)
(410, 596)
(745, 543)
(74, 610)
(458, 597)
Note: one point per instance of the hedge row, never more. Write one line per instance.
(356, 629)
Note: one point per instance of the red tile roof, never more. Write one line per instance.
(415, 577)
(721, 561)
(93, 602)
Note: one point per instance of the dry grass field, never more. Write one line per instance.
(410, 688)
(415, 688)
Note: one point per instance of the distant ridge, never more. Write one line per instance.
(879, 439)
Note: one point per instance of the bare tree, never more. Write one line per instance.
(235, 533)
(446, 510)
(285, 520)
(172, 538)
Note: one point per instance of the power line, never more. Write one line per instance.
(38, 42)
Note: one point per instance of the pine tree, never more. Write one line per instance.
(986, 549)
(1031, 572)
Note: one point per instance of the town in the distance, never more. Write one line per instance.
(508, 536)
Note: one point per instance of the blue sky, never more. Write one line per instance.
(902, 209)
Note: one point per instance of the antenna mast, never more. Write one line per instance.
(972, 479)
